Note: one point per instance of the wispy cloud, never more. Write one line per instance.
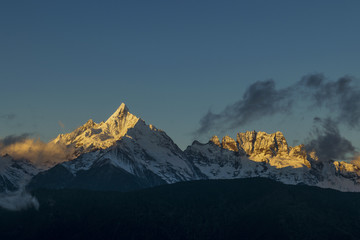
(61, 124)
(18, 200)
(9, 116)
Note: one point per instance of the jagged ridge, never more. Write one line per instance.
(125, 147)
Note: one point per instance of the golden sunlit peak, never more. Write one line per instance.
(215, 140)
(122, 107)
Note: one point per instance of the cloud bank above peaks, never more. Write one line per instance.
(262, 99)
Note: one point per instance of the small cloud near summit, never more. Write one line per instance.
(61, 124)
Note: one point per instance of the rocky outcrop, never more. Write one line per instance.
(246, 141)
(347, 170)
(256, 143)
(229, 144)
(215, 140)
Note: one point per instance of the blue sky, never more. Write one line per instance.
(169, 61)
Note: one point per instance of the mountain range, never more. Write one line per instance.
(124, 153)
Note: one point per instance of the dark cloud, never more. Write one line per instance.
(327, 141)
(259, 100)
(10, 116)
(312, 80)
(13, 139)
(342, 95)
(262, 99)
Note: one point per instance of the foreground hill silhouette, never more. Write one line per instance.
(254, 208)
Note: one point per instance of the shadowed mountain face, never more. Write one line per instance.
(255, 208)
(124, 153)
(103, 177)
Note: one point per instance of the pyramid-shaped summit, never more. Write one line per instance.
(120, 122)
(91, 135)
(121, 111)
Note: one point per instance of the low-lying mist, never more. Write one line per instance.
(18, 200)
(39, 153)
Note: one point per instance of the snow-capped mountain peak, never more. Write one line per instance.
(91, 135)
(122, 111)
(120, 122)
(125, 147)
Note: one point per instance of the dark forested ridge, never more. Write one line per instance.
(211, 209)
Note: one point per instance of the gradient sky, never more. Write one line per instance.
(63, 62)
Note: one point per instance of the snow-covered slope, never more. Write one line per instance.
(143, 149)
(258, 154)
(124, 142)
(14, 174)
